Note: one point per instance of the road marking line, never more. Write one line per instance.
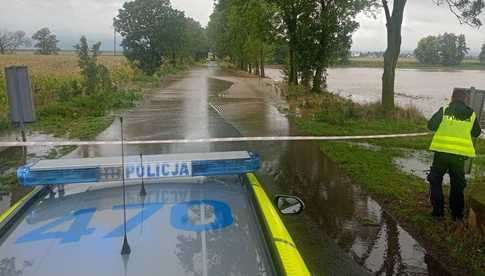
(217, 108)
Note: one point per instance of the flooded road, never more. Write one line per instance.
(428, 90)
(343, 231)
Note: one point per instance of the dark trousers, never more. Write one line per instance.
(454, 165)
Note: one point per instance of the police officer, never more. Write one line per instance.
(454, 127)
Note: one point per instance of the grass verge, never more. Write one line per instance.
(411, 63)
(83, 117)
(404, 196)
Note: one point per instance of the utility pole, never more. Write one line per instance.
(114, 37)
(114, 44)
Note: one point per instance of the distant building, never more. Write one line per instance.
(355, 54)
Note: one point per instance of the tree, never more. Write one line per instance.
(446, 49)
(141, 25)
(462, 49)
(453, 49)
(153, 32)
(288, 17)
(195, 40)
(330, 34)
(46, 42)
(467, 12)
(428, 50)
(258, 15)
(241, 30)
(10, 41)
(88, 64)
(482, 55)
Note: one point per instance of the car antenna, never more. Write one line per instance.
(125, 250)
(143, 192)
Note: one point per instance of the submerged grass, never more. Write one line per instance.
(403, 195)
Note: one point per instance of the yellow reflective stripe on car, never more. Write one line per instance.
(291, 259)
(8, 212)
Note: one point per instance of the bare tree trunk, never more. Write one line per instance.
(391, 56)
(317, 80)
(256, 68)
(174, 59)
(306, 77)
(261, 57)
(292, 78)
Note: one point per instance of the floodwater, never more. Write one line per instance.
(426, 89)
(343, 230)
(13, 157)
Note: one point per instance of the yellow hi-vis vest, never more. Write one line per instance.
(454, 136)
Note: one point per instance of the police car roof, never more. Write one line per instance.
(198, 226)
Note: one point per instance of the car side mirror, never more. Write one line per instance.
(289, 205)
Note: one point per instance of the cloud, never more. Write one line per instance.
(421, 18)
(69, 19)
(200, 10)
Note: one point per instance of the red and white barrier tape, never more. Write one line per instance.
(211, 140)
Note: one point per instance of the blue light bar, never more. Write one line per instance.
(91, 170)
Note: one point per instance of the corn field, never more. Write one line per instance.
(50, 74)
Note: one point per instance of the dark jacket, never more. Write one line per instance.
(458, 110)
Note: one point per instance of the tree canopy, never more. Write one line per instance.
(241, 30)
(446, 49)
(154, 32)
(46, 42)
(428, 50)
(10, 41)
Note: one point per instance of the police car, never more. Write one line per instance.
(182, 214)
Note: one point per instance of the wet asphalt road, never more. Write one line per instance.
(331, 235)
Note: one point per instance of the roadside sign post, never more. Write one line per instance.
(476, 217)
(20, 98)
(477, 103)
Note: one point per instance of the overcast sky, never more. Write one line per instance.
(71, 18)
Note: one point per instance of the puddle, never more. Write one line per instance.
(418, 163)
(348, 214)
(14, 157)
